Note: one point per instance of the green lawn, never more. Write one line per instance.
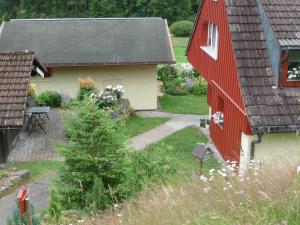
(37, 168)
(138, 125)
(183, 143)
(184, 104)
(179, 47)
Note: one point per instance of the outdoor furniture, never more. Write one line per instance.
(36, 117)
(203, 153)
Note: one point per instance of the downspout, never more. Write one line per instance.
(254, 143)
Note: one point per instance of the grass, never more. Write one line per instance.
(184, 104)
(138, 125)
(263, 196)
(179, 47)
(183, 143)
(36, 169)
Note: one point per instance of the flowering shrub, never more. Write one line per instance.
(181, 79)
(218, 118)
(108, 97)
(294, 73)
(86, 88)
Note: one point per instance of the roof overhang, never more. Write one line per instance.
(276, 129)
(195, 26)
(53, 65)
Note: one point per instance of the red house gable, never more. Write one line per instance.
(224, 92)
(231, 49)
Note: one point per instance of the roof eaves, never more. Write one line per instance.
(169, 40)
(276, 129)
(108, 64)
(195, 26)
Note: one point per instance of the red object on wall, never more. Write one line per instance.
(222, 78)
(22, 195)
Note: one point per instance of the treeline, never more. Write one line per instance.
(173, 10)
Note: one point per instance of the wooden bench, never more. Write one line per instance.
(202, 153)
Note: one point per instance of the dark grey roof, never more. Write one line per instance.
(15, 73)
(284, 17)
(268, 109)
(91, 41)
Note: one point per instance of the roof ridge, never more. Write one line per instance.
(87, 19)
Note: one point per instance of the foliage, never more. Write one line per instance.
(95, 150)
(86, 88)
(262, 196)
(17, 219)
(32, 90)
(98, 169)
(173, 87)
(181, 79)
(49, 98)
(54, 205)
(109, 97)
(3, 174)
(184, 104)
(182, 28)
(170, 9)
(152, 166)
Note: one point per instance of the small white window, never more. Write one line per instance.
(212, 41)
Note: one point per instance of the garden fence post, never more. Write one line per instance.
(28, 211)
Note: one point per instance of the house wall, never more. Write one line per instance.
(139, 82)
(279, 148)
(222, 78)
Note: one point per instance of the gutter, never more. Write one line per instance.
(254, 143)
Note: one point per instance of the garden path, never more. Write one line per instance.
(176, 123)
(39, 193)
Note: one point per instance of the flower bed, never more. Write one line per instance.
(181, 79)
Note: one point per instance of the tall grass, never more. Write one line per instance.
(268, 196)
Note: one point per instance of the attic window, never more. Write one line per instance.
(211, 47)
(294, 66)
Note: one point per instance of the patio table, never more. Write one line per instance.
(36, 115)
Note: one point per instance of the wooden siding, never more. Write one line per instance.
(222, 77)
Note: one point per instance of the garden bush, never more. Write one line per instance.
(182, 28)
(98, 169)
(86, 88)
(49, 98)
(181, 79)
(173, 87)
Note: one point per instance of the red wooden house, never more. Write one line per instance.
(249, 52)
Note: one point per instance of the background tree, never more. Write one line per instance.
(173, 10)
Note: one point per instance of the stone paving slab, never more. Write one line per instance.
(39, 193)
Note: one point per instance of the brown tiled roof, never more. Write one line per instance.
(268, 109)
(15, 73)
(284, 18)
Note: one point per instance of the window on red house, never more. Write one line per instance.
(210, 45)
(294, 66)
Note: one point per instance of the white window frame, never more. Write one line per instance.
(212, 41)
